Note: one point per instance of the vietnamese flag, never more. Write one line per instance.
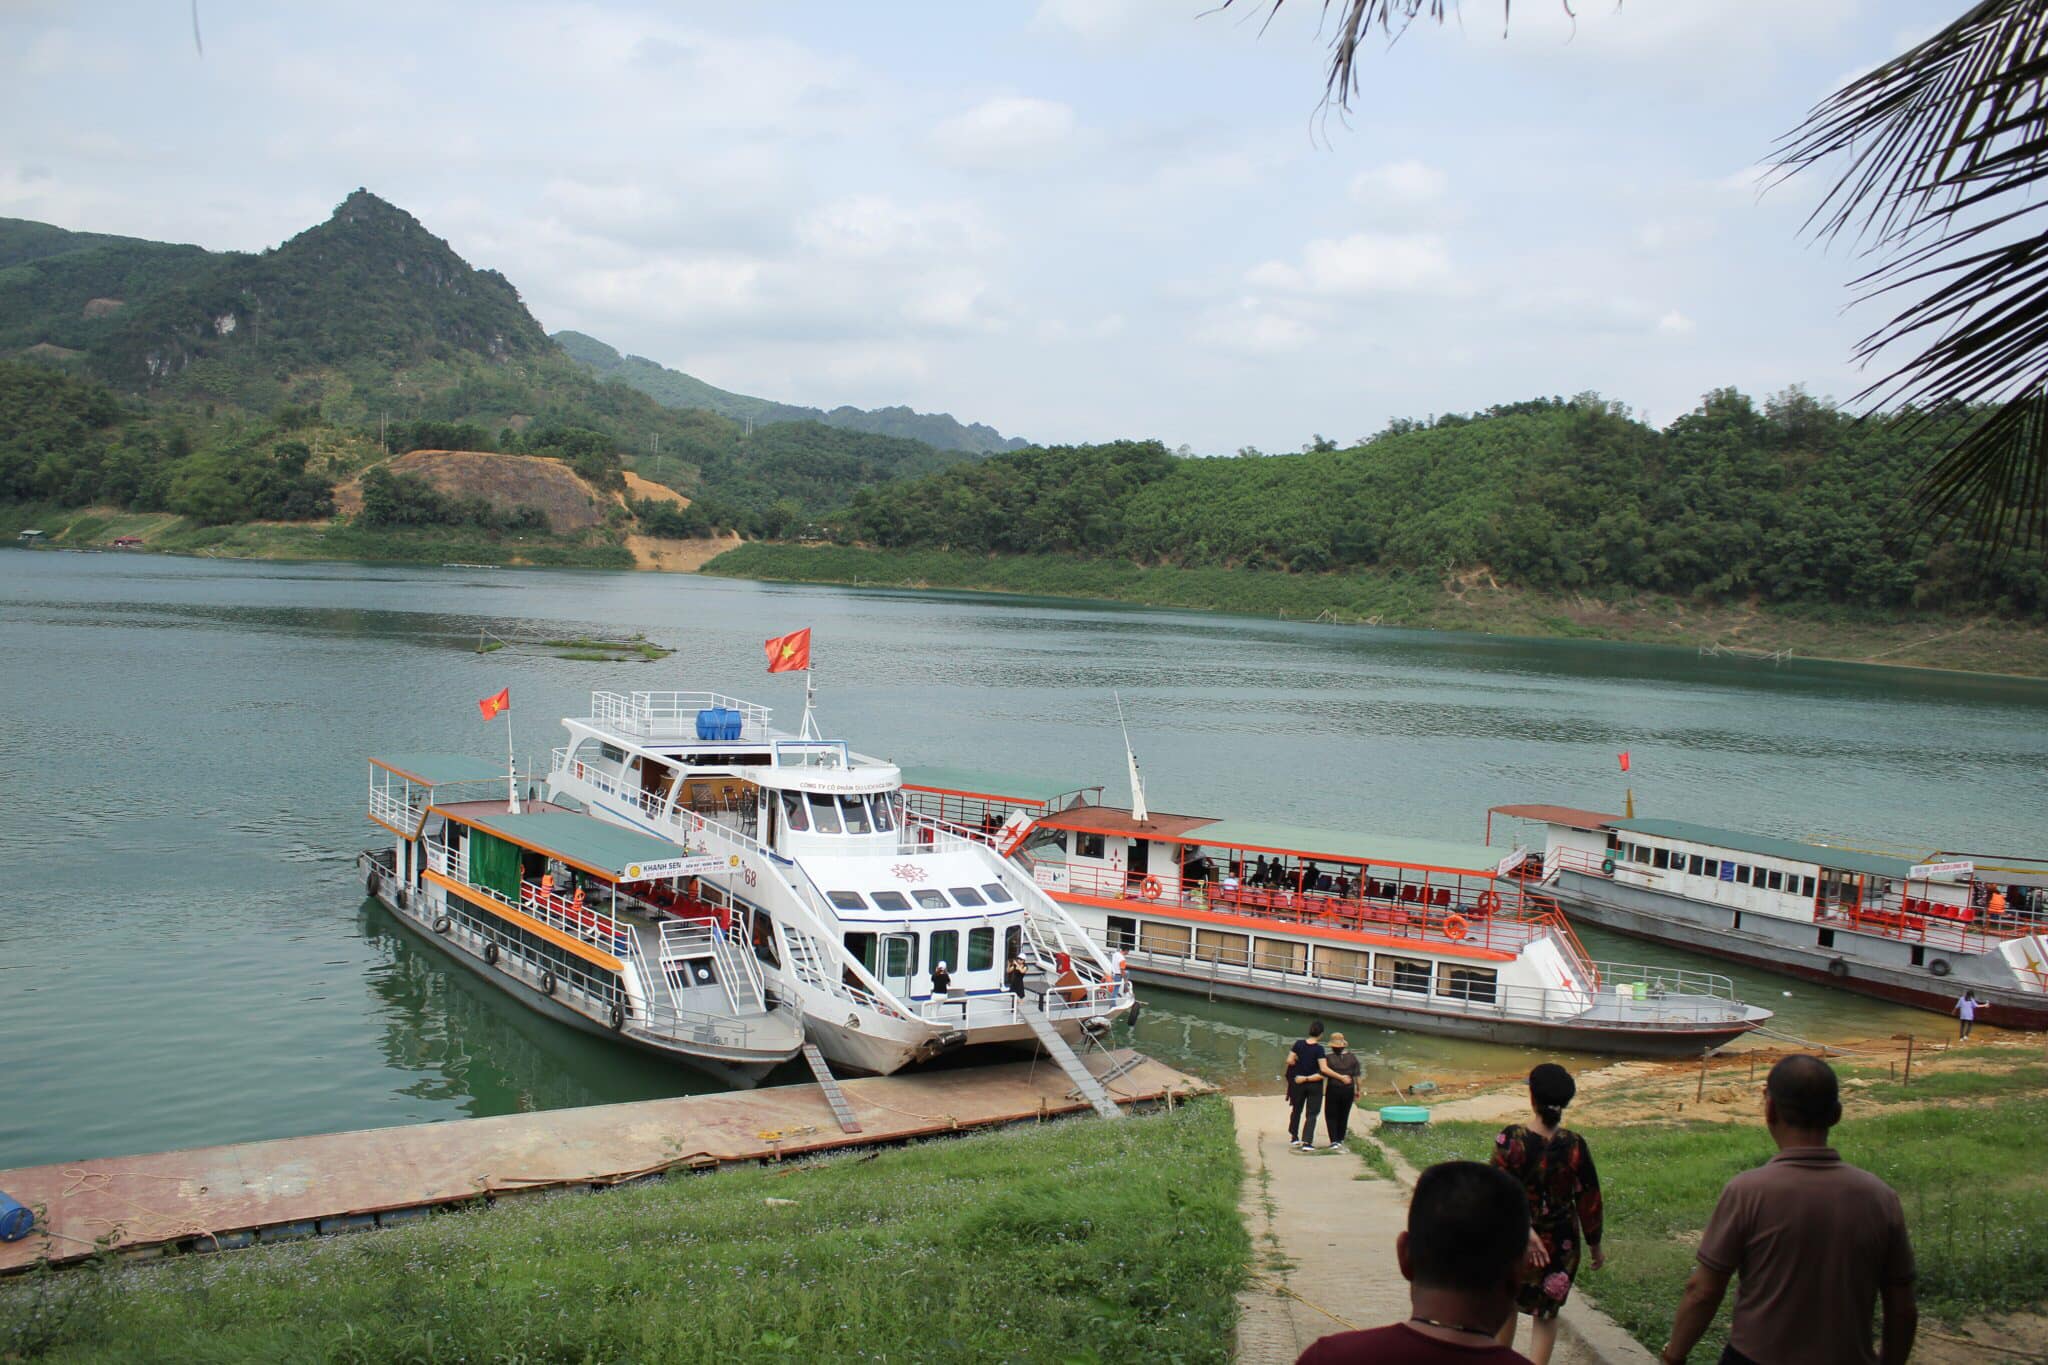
(491, 706)
(790, 653)
(1624, 760)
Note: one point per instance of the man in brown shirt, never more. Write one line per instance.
(1816, 1241)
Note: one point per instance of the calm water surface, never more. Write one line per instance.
(186, 956)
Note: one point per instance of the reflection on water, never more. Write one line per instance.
(187, 958)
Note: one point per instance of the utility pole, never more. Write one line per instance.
(384, 432)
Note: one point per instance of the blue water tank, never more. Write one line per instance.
(720, 723)
(16, 1222)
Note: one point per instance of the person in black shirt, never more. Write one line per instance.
(942, 980)
(1013, 977)
(1305, 1088)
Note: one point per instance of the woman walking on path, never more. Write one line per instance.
(1965, 1010)
(1556, 1170)
(1341, 1069)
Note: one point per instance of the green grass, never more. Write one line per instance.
(1075, 1241)
(610, 651)
(1971, 1180)
(1377, 1166)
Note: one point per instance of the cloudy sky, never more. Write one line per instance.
(1073, 219)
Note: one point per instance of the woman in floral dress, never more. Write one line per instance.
(1556, 1169)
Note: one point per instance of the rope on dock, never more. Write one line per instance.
(84, 1181)
(1280, 1288)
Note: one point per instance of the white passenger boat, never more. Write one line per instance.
(846, 898)
(1406, 933)
(573, 917)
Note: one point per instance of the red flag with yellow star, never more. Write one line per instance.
(491, 706)
(790, 653)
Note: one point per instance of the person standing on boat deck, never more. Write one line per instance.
(942, 980)
(1341, 1069)
(1305, 1088)
(1119, 965)
(1013, 977)
(1818, 1244)
(1965, 1010)
(1259, 871)
(1468, 1227)
(1556, 1170)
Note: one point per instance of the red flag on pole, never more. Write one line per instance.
(790, 653)
(1624, 760)
(491, 706)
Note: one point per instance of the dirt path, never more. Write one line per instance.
(678, 556)
(1323, 1229)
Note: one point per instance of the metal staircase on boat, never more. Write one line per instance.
(1070, 1062)
(829, 1083)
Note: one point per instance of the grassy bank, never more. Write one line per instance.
(1076, 1241)
(1960, 1147)
(1475, 603)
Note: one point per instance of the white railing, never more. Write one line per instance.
(997, 1008)
(673, 715)
(578, 919)
(737, 972)
(393, 810)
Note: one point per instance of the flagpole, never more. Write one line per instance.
(511, 769)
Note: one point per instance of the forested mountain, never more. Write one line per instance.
(673, 388)
(1790, 502)
(362, 336)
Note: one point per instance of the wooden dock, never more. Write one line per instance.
(209, 1198)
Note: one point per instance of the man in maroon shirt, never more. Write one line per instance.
(1816, 1241)
(1468, 1230)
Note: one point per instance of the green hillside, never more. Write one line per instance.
(673, 388)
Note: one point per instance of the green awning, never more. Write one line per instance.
(1036, 791)
(435, 770)
(584, 841)
(1378, 850)
(1791, 850)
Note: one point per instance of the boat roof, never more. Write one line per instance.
(1569, 816)
(1022, 791)
(583, 841)
(1792, 850)
(434, 770)
(1259, 836)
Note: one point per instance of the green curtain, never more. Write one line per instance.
(493, 863)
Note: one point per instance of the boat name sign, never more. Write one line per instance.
(699, 865)
(1920, 870)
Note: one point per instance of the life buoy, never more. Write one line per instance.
(618, 1017)
(443, 925)
(1151, 890)
(1939, 966)
(547, 983)
(1607, 866)
(491, 954)
(1455, 927)
(1489, 901)
(1838, 969)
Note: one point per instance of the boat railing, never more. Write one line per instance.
(673, 715)
(402, 804)
(572, 915)
(993, 1009)
(1617, 1006)
(1932, 931)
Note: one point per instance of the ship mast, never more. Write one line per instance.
(1138, 811)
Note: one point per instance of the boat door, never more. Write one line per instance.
(1140, 864)
(899, 963)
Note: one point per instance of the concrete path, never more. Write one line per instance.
(1323, 1229)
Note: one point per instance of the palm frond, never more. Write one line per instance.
(1943, 153)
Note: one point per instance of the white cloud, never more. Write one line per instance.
(1675, 323)
(1096, 22)
(1402, 184)
(1007, 132)
(873, 226)
(1363, 263)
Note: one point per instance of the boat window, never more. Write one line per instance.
(1013, 942)
(1642, 853)
(1170, 940)
(1087, 845)
(1048, 838)
(1662, 858)
(793, 813)
(1693, 863)
(884, 812)
(967, 896)
(1711, 868)
(899, 955)
(932, 900)
(824, 812)
(1279, 955)
(997, 893)
(1477, 984)
(862, 946)
(1213, 945)
(891, 900)
(1342, 964)
(981, 949)
(1777, 881)
(854, 810)
(764, 940)
(946, 949)
(1401, 973)
(611, 753)
(847, 900)
(1806, 887)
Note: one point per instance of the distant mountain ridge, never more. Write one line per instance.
(675, 389)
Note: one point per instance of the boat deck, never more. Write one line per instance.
(224, 1197)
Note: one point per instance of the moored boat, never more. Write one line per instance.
(1919, 932)
(576, 919)
(1405, 933)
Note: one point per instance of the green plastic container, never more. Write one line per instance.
(1404, 1113)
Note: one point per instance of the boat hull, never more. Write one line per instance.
(416, 917)
(1517, 1032)
(1866, 964)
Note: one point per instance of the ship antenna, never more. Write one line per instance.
(1138, 811)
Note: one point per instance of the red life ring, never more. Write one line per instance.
(1151, 890)
(1455, 927)
(1489, 901)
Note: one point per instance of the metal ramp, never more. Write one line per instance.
(1070, 1062)
(829, 1083)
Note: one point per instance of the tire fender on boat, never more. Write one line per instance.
(491, 954)
(1455, 927)
(443, 925)
(547, 983)
(618, 1017)
(1137, 1009)
(370, 883)
(1607, 866)
(1939, 966)
(1838, 969)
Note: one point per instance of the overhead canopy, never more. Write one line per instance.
(1017, 791)
(1791, 850)
(1376, 850)
(435, 770)
(584, 842)
(1571, 817)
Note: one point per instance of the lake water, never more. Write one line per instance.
(186, 956)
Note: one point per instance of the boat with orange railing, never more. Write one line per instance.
(1917, 930)
(1414, 934)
